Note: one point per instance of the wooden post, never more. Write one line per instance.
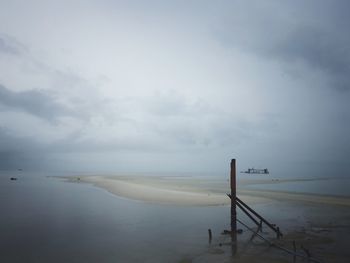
(210, 235)
(233, 207)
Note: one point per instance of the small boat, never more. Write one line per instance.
(256, 171)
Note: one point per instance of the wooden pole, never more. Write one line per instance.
(210, 235)
(233, 208)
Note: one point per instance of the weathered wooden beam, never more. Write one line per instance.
(260, 217)
(247, 213)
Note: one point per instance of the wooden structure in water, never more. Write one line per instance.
(258, 220)
(247, 210)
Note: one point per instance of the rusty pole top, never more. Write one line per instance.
(233, 176)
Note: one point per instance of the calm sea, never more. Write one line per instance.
(46, 219)
(322, 186)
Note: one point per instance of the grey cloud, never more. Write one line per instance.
(126, 119)
(314, 34)
(9, 46)
(319, 50)
(174, 103)
(35, 102)
(17, 152)
(168, 104)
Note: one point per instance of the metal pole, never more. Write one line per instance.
(233, 207)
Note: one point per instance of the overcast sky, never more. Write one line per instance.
(175, 86)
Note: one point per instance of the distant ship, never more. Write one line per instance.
(256, 171)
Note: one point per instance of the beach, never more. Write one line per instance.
(319, 223)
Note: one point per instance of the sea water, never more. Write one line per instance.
(321, 186)
(45, 219)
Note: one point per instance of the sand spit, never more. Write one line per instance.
(167, 190)
(138, 190)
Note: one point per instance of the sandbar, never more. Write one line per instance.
(197, 192)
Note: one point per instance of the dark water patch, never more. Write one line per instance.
(48, 220)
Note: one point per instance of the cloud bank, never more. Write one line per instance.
(115, 86)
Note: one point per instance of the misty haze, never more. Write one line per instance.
(174, 131)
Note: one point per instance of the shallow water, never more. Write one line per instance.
(333, 187)
(45, 219)
(49, 220)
